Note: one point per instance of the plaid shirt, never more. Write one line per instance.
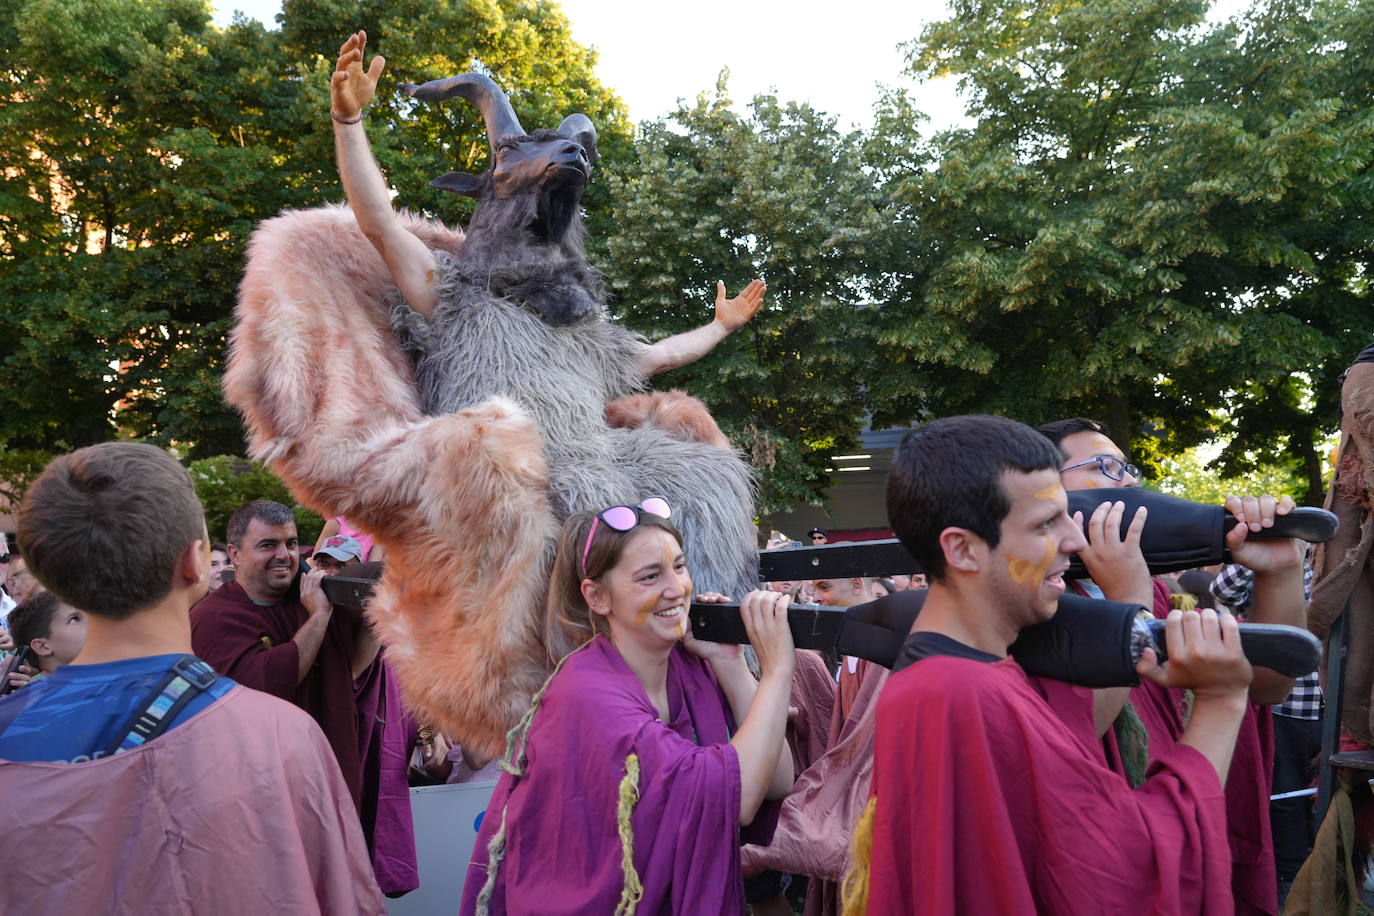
(1232, 588)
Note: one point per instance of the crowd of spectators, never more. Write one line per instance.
(252, 613)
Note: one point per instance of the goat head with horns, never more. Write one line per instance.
(554, 165)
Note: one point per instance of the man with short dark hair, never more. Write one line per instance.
(1092, 460)
(260, 632)
(983, 802)
(177, 788)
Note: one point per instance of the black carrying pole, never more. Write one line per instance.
(1337, 645)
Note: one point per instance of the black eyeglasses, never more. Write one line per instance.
(1112, 468)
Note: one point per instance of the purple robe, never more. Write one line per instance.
(386, 736)
(563, 852)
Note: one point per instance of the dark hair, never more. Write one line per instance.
(32, 618)
(220, 547)
(568, 622)
(949, 474)
(1198, 583)
(1060, 430)
(265, 510)
(104, 527)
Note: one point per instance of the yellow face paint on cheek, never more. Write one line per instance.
(1090, 484)
(650, 603)
(1030, 572)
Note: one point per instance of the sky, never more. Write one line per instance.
(652, 54)
(832, 55)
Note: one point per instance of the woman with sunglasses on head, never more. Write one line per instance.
(627, 783)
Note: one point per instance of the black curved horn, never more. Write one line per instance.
(579, 128)
(481, 91)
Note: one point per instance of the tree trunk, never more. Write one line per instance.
(1300, 441)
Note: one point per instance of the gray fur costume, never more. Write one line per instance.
(481, 343)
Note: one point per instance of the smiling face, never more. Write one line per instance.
(219, 561)
(1025, 572)
(645, 596)
(1085, 446)
(265, 561)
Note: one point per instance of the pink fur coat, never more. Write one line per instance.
(459, 502)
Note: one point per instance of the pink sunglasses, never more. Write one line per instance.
(623, 518)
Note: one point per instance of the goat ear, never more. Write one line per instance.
(579, 128)
(459, 183)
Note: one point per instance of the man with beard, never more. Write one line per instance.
(298, 647)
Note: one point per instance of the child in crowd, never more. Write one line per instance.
(53, 631)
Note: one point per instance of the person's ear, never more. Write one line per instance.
(41, 646)
(193, 566)
(233, 553)
(963, 550)
(597, 600)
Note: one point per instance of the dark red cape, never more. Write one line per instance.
(227, 631)
(986, 804)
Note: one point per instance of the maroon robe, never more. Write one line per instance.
(985, 803)
(1164, 713)
(387, 736)
(232, 634)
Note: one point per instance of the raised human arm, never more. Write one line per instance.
(765, 770)
(1276, 596)
(690, 346)
(411, 263)
(1205, 656)
(310, 636)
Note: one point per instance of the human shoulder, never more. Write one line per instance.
(594, 682)
(228, 597)
(955, 682)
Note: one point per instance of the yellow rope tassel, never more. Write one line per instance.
(1183, 602)
(625, 807)
(854, 890)
(516, 739)
(496, 851)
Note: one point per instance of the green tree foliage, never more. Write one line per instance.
(142, 144)
(225, 482)
(18, 469)
(781, 194)
(1152, 218)
(1192, 474)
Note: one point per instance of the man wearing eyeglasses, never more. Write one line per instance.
(7, 603)
(1091, 460)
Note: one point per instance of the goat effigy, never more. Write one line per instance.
(459, 394)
